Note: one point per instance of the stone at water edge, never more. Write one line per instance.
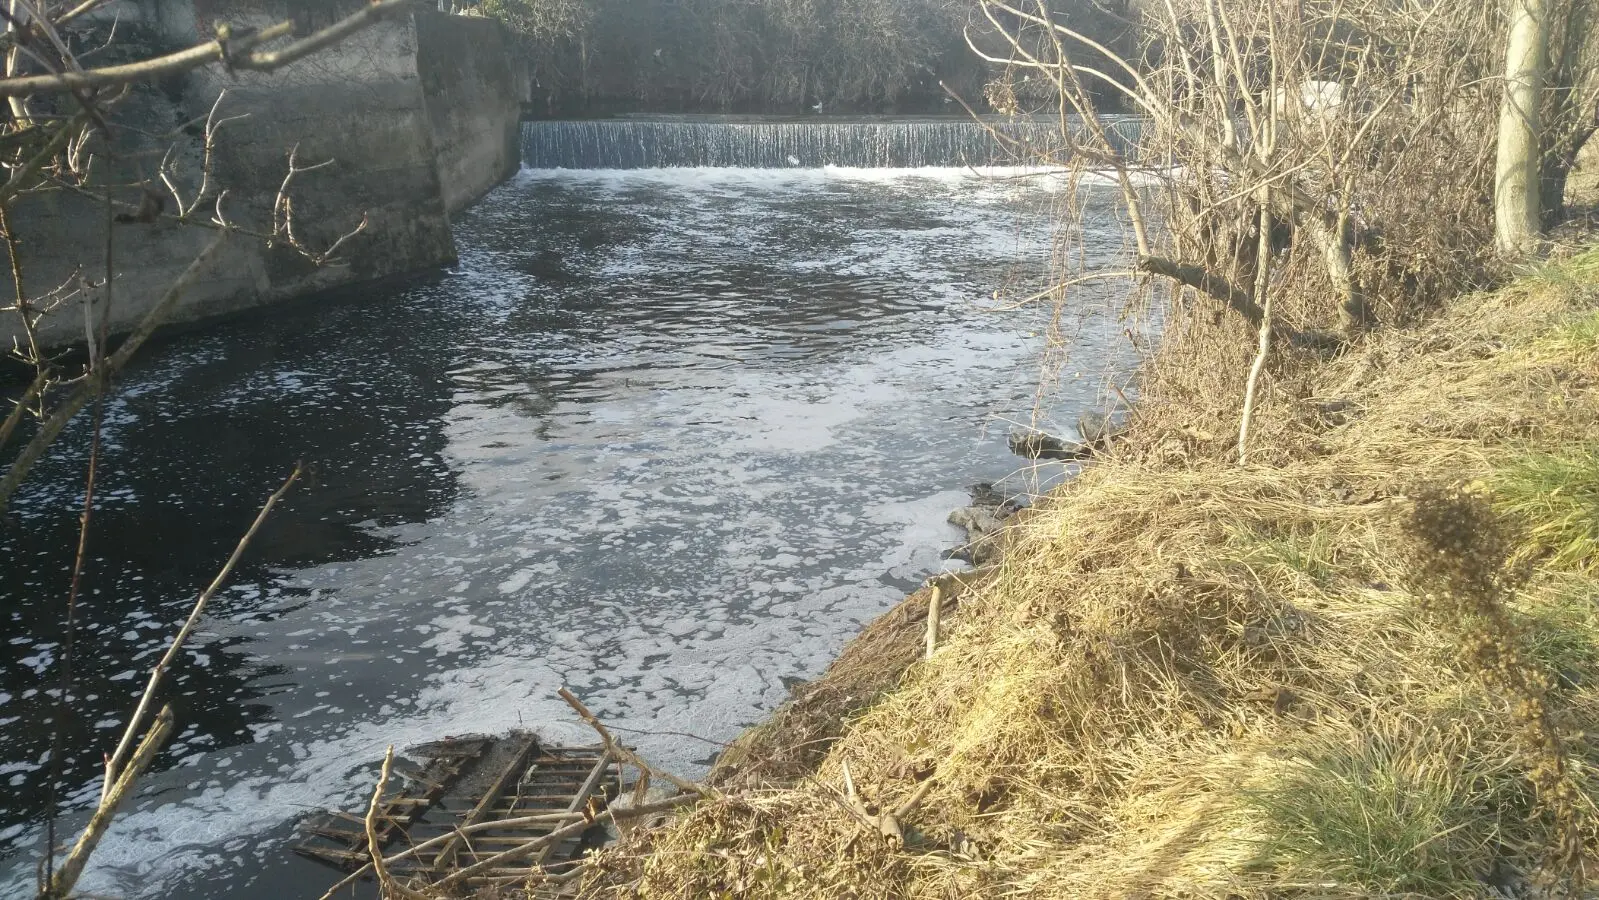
(1038, 445)
(1098, 429)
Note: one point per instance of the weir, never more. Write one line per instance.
(773, 144)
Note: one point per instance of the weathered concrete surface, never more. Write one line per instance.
(474, 87)
(363, 105)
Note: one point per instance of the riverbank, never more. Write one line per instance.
(1363, 664)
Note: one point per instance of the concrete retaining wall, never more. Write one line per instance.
(418, 116)
(474, 88)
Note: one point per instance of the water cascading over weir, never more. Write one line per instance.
(649, 143)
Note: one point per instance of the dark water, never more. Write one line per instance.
(666, 437)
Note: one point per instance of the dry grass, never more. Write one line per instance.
(796, 737)
(1197, 679)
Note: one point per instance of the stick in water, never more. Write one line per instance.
(687, 787)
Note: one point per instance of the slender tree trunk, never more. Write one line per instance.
(1567, 124)
(1517, 192)
(1263, 299)
(1556, 172)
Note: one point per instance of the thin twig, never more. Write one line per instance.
(156, 674)
(67, 876)
(24, 308)
(386, 882)
(240, 54)
(1262, 291)
(52, 426)
(69, 642)
(617, 750)
(14, 418)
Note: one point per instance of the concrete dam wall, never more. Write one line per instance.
(415, 119)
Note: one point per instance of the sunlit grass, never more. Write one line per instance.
(1581, 269)
(1387, 813)
(1555, 497)
(1578, 337)
(1311, 553)
(1561, 625)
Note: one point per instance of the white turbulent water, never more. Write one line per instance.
(634, 143)
(667, 437)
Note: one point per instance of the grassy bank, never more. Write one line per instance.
(1361, 665)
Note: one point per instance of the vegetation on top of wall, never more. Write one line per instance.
(769, 56)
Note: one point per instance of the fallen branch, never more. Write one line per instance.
(914, 801)
(1206, 282)
(534, 876)
(1235, 298)
(935, 610)
(886, 824)
(617, 750)
(525, 850)
(386, 882)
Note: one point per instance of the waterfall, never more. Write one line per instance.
(761, 144)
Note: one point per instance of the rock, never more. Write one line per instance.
(983, 521)
(985, 494)
(1038, 445)
(982, 526)
(1004, 506)
(1098, 429)
(655, 793)
(979, 521)
(1333, 413)
(978, 553)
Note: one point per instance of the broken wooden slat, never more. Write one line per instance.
(398, 813)
(579, 800)
(518, 764)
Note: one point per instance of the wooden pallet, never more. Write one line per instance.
(340, 838)
(536, 780)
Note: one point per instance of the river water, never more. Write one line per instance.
(667, 437)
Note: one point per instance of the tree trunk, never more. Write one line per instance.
(1517, 200)
(1556, 171)
(1567, 124)
(1337, 244)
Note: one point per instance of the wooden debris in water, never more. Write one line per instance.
(477, 801)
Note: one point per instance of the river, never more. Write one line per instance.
(667, 437)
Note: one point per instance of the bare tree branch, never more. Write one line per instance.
(114, 762)
(74, 403)
(239, 53)
(66, 877)
(14, 418)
